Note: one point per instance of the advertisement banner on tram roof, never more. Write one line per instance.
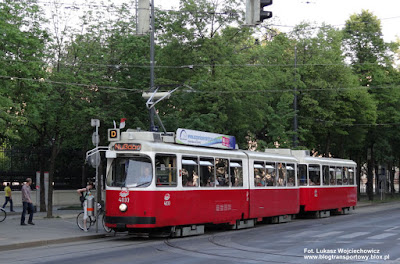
(206, 139)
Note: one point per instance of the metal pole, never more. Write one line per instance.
(136, 18)
(152, 88)
(295, 125)
(97, 179)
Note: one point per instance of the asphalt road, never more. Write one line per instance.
(370, 234)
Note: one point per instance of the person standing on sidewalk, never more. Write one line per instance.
(27, 204)
(7, 190)
(85, 193)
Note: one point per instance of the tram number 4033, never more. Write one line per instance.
(123, 199)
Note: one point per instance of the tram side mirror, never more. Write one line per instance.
(111, 154)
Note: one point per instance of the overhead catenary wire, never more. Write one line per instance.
(40, 79)
(191, 66)
(201, 92)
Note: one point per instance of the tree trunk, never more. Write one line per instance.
(377, 185)
(54, 154)
(327, 145)
(399, 177)
(42, 187)
(358, 177)
(370, 176)
(83, 180)
(391, 177)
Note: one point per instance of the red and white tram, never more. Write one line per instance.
(326, 184)
(155, 184)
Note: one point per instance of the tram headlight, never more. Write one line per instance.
(123, 207)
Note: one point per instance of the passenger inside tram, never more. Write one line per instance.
(195, 181)
(282, 175)
(290, 182)
(258, 175)
(268, 180)
(146, 175)
(206, 173)
(185, 177)
(209, 183)
(221, 176)
(258, 181)
(236, 176)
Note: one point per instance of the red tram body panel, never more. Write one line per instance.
(274, 202)
(153, 209)
(327, 198)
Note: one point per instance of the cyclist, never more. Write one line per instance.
(85, 193)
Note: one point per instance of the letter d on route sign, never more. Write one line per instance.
(113, 134)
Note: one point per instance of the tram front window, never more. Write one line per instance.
(130, 172)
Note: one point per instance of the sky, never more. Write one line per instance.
(334, 12)
(289, 13)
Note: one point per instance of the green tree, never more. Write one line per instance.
(372, 62)
(330, 103)
(22, 43)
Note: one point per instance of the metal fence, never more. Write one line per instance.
(18, 164)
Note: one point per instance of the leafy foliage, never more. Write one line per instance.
(53, 81)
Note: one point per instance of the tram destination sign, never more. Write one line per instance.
(128, 146)
(205, 139)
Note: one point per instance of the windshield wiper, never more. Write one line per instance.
(138, 185)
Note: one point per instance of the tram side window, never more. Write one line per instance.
(338, 176)
(325, 174)
(282, 175)
(236, 172)
(314, 174)
(351, 176)
(345, 176)
(270, 176)
(290, 175)
(259, 174)
(190, 175)
(302, 174)
(166, 170)
(332, 176)
(207, 172)
(221, 172)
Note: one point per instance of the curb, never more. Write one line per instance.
(44, 216)
(49, 242)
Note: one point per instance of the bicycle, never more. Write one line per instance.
(3, 214)
(91, 220)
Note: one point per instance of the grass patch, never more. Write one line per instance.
(71, 207)
(385, 198)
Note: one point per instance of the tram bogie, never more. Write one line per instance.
(184, 231)
(243, 224)
(155, 185)
(281, 219)
(324, 214)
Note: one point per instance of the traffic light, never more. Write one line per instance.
(143, 17)
(260, 14)
(255, 13)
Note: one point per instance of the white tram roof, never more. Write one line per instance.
(162, 147)
(304, 157)
(160, 143)
(275, 157)
(157, 142)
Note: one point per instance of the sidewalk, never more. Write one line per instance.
(62, 228)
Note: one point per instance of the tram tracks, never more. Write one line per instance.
(215, 248)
